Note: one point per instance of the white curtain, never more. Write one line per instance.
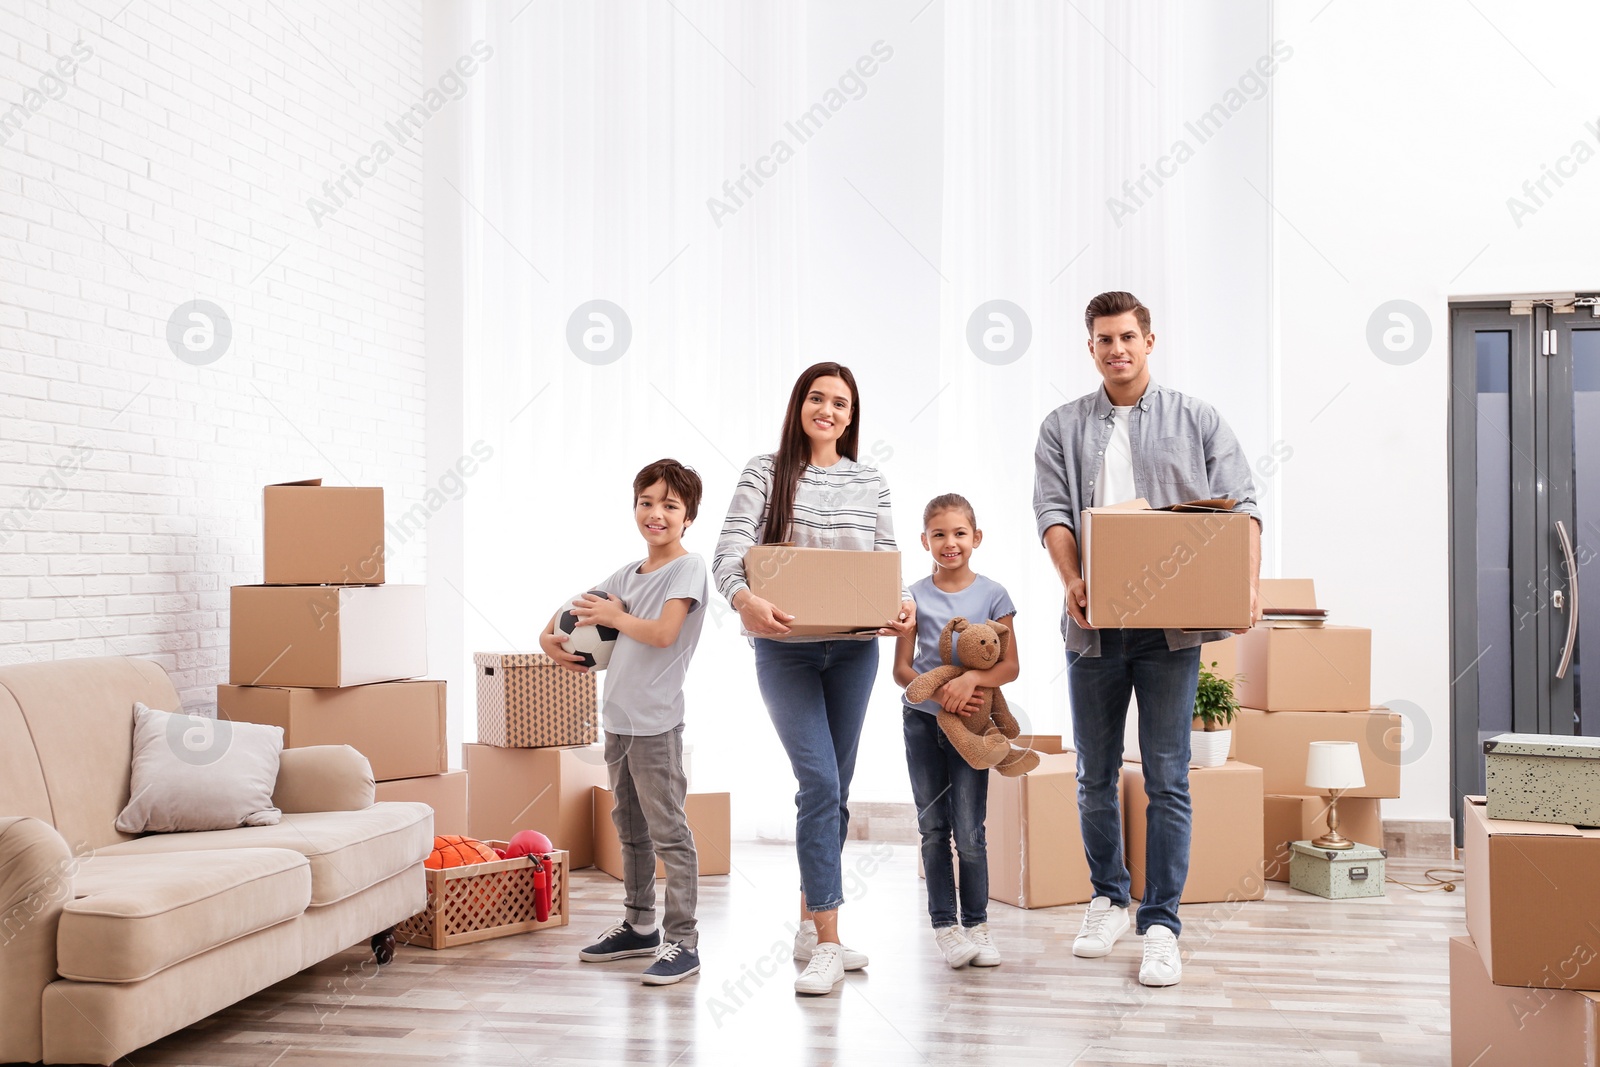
(974, 163)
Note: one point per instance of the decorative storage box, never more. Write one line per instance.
(485, 900)
(1543, 778)
(1337, 874)
(526, 701)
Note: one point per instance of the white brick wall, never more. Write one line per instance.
(173, 163)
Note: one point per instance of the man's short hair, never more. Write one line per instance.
(1116, 303)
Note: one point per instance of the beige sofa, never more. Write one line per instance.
(107, 941)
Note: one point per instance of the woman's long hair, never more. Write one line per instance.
(794, 450)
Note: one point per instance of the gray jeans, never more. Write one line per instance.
(648, 782)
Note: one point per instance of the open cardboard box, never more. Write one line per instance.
(828, 591)
(1183, 567)
(315, 534)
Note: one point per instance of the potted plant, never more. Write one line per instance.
(1214, 709)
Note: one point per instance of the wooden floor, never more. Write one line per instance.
(1293, 979)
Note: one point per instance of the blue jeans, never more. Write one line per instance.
(1135, 661)
(816, 694)
(952, 798)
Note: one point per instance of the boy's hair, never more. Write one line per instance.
(947, 502)
(682, 481)
(1116, 303)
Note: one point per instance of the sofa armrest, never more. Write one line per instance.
(323, 778)
(36, 873)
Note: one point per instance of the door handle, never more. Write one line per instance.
(1572, 609)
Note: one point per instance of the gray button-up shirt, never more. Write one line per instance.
(1182, 450)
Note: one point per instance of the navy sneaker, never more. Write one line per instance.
(673, 963)
(620, 942)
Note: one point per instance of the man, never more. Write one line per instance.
(1132, 438)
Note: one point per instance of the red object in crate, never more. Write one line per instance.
(541, 888)
(528, 843)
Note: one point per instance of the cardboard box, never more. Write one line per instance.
(1533, 899)
(314, 534)
(326, 635)
(1036, 857)
(1286, 819)
(1224, 863)
(399, 726)
(710, 822)
(526, 701)
(544, 789)
(1543, 778)
(1166, 569)
(828, 591)
(1326, 668)
(1278, 741)
(1511, 1026)
(1225, 654)
(446, 794)
(1044, 744)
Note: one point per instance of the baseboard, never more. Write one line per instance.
(896, 822)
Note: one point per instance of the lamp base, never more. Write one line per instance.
(1333, 839)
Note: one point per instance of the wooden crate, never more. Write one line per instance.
(485, 900)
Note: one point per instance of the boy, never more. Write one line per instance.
(656, 605)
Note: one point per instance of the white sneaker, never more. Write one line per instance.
(1161, 965)
(958, 951)
(825, 970)
(805, 943)
(988, 955)
(1103, 923)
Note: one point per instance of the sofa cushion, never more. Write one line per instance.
(135, 916)
(348, 850)
(194, 772)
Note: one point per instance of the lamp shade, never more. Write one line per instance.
(1334, 765)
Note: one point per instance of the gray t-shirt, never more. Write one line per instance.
(644, 685)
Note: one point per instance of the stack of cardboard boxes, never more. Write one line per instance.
(1525, 982)
(1298, 684)
(327, 651)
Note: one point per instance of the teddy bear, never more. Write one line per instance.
(983, 738)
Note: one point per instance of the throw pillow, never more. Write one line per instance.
(191, 772)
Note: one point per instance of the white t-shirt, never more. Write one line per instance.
(1115, 484)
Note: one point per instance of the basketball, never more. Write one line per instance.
(454, 850)
(593, 643)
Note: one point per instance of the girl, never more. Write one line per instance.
(813, 492)
(951, 795)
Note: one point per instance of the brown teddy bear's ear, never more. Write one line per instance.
(958, 624)
(1000, 628)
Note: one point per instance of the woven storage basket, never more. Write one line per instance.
(485, 900)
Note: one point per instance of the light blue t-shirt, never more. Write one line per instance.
(644, 684)
(982, 601)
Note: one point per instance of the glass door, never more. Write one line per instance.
(1524, 458)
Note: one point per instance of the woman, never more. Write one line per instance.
(813, 492)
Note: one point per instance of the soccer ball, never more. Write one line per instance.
(593, 643)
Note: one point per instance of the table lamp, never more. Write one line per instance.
(1333, 767)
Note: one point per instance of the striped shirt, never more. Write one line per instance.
(843, 506)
